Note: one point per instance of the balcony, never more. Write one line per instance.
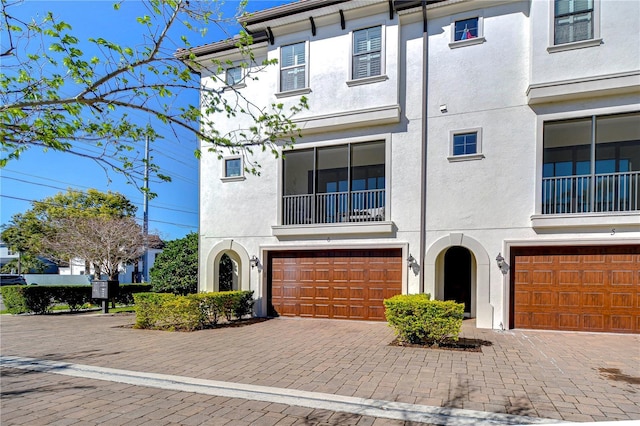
(336, 207)
(601, 193)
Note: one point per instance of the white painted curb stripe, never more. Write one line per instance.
(300, 398)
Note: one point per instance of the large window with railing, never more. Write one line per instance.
(591, 164)
(342, 183)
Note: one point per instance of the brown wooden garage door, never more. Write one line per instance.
(346, 284)
(576, 288)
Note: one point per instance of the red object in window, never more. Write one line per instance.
(466, 35)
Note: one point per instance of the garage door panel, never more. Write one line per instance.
(568, 259)
(593, 300)
(349, 284)
(290, 309)
(523, 298)
(622, 300)
(542, 277)
(622, 323)
(592, 258)
(593, 322)
(323, 293)
(568, 321)
(290, 292)
(307, 292)
(376, 311)
(593, 278)
(577, 288)
(357, 294)
(625, 259)
(622, 278)
(340, 293)
(569, 278)
(569, 299)
(306, 309)
(377, 294)
(542, 320)
(291, 275)
(340, 275)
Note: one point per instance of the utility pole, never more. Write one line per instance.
(145, 219)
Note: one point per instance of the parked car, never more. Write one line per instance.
(12, 279)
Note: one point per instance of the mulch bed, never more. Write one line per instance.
(463, 344)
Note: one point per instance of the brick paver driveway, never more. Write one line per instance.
(568, 376)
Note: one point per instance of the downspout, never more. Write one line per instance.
(423, 153)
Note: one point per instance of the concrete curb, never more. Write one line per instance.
(315, 400)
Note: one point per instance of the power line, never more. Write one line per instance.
(84, 186)
(64, 189)
(182, 225)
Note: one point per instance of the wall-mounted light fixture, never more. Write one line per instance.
(254, 261)
(504, 266)
(443, 108)
(410, 261)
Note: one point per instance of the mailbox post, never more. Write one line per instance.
(104, 290)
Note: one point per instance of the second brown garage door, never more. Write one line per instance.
(576, 288)
(345, 284)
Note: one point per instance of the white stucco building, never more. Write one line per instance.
(482, 151)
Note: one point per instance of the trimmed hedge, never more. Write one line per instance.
(418, 319)
(167, 311)
(13, 299)
(41, 299)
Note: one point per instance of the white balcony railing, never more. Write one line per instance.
(613, 192)
(353, 206)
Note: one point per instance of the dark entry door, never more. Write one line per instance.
(457, 276)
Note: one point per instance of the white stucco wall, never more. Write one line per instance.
(617, 24)
(486, 204)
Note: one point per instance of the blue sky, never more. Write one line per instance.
(36, 175)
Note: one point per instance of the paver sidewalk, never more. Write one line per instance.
(568, 376)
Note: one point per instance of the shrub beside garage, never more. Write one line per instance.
(167, 311)
(418, 319)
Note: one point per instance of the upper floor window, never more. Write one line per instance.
(466, 145)
(591, 164)
(233, 169)
(466, 29)
(233, 76)
(573, 21)
(367, 52)
(293, 67)
(331, 184)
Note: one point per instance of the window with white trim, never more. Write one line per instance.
(467, 31)
(233, 168)
(465, 145)
(573, 21)
(367, 53)
(293, 67)
(233, 76)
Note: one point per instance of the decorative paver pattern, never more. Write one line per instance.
(554, 375)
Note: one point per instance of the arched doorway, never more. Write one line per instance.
(457, 276)
(240, 267)
(225, 273)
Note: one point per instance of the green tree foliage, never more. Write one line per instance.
(175, 270)
(25, 263)
(58, 92)
(26, 231)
